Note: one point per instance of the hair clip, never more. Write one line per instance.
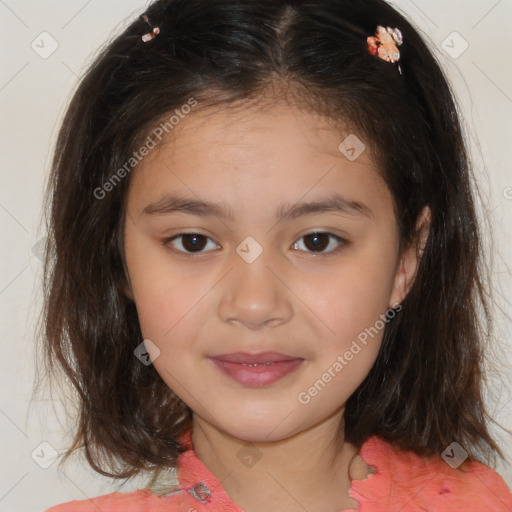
(384, 44)
(150, 35)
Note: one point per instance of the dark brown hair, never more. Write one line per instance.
(425, 389)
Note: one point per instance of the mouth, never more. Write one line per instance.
(255, 370)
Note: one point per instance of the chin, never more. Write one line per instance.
(253, 429)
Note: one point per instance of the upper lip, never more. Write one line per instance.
(261, 358)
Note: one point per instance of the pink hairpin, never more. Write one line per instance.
(384, 44)
(150, 35)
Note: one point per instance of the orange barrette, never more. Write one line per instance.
(384, 44)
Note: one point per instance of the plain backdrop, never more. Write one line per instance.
(471, 38)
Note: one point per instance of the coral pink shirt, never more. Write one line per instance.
(403, 482)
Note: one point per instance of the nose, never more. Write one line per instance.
(255, 294)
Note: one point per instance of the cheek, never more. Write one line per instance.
(355, 294)
(167, 306)
(345, 297)
(163, 294)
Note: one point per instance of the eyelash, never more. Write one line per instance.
(166, 242)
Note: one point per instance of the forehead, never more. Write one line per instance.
(256, 122)
(235, 154)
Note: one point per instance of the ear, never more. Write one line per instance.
(127, 289)
(410, 258)
(127, 285)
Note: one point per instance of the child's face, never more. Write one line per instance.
(308, 305)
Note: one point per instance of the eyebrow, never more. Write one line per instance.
(333, 203)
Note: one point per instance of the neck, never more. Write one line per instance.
(292, 474)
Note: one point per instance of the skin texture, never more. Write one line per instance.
(290, 299)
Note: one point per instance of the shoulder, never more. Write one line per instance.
(408, 482)
(141, 500)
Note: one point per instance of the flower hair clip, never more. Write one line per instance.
(385, 44)
(150, 35)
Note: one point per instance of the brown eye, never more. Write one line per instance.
(318, 241)
(190, 243)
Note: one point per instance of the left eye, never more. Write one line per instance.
(319, 240)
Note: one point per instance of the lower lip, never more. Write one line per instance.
(260, 375)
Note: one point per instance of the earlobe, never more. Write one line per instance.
(410, 258)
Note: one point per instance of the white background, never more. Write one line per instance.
(33, 94)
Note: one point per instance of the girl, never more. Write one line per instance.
(263, 276)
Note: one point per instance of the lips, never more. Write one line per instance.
(255, 359)
(254, 370)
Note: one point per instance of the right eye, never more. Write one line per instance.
(192, 243)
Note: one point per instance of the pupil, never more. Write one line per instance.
(320, 241)
(197, 244)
